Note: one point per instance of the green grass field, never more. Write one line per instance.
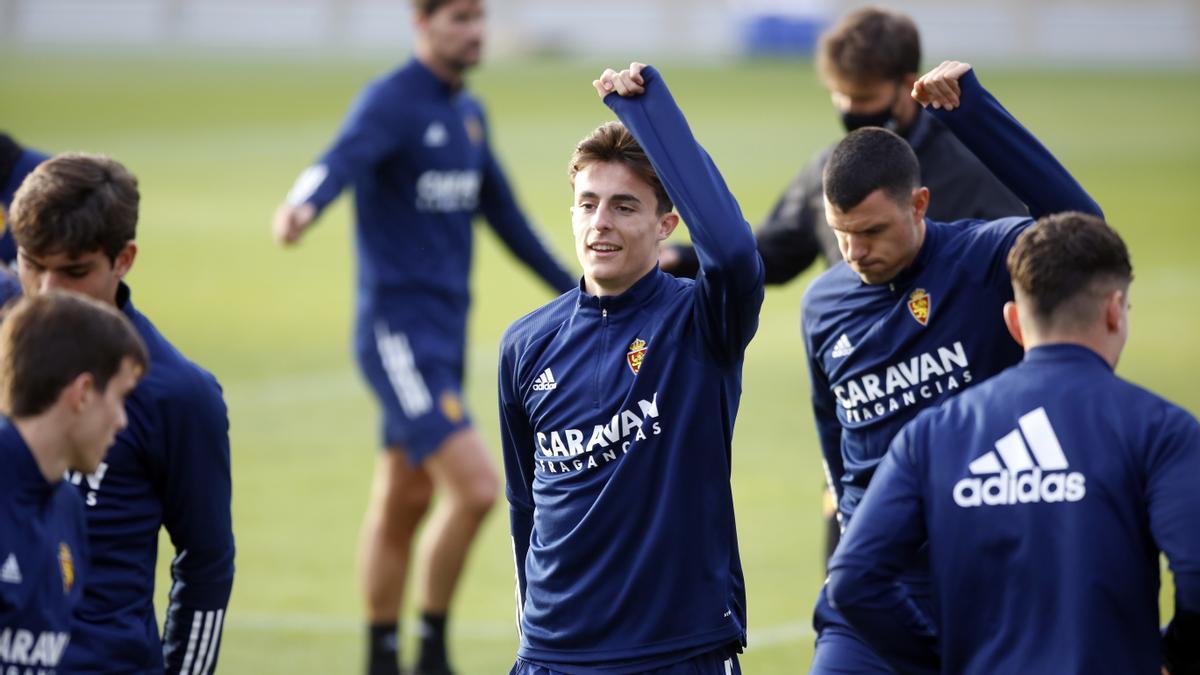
(216, 143)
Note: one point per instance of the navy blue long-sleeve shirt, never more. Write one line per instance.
(169, 468)
(43, 560)
(617, 418)
(879, 354)
(1046, 495)
(416, 151)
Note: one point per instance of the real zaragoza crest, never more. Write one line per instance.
(66, 564)
(919, 304)
(637, 353)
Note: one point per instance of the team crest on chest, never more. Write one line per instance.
(919, 305)
(637, 354)
(474, 129)
(66, 565)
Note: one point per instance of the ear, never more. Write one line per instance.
(1012, 320)
(124, 260)
(1115, 308)
(667, 224)
(78, 393)
(920, 203)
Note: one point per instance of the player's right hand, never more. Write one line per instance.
(290, 222)
(628, 82)
(939, 87)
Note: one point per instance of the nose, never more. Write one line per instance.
(855, 248)
(49, 282)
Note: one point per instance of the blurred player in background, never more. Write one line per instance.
(869, 62)
(617, 406)
(913, 315)
(15, 163)
(66, 365)
(75, 221)
(415, 148)
(1046, 495)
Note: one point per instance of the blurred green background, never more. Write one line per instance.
(217, 140)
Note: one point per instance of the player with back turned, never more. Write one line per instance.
(913, 316)
(617, 407)
(1045, 495)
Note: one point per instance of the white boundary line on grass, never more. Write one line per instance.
(770, 636)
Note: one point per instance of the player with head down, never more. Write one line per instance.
(913, 316)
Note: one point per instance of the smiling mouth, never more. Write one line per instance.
(601, 247)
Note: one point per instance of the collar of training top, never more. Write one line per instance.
(22, 477)
(637, 294)
(1066, 352)
(430, 79)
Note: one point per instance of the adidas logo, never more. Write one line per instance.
(436, 135)
(1029, 474)
(545, 381)
(10, 573)
(842, 348)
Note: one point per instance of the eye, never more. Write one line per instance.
(585, 206)
(623, 208)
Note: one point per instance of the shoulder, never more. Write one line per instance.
(973, 237)
(174, 378)
(537, 325)
(828, 290)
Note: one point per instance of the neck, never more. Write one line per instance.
(907, 116)
(1101, 344)
(602, 289)
(43, 434)
(444, 71)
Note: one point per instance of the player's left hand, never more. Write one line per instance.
(628, 82)
(939, 87)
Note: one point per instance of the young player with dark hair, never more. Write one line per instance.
(415, 147)
(66, 365)
(1045, 494)
(617, 407)
(868, 61)
(913, 315)
(75, 223)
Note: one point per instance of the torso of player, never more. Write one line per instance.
(890, 350)
(415, 208)
(41, 549)
(631, 477)
(1046, 468)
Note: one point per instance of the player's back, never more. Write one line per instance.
(1036, 489)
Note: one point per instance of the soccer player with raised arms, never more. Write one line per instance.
(74, 220)
(1046, 495)
(415, 147)
(617, 407)
(913, 316)
(66, 365)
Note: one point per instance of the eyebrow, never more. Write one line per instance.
(80, 266)
(620, 197)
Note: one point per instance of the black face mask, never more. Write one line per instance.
(884, 118)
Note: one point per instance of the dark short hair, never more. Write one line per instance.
(612, 142)
(871, 43)
(48, 340)
(1063, 260)
(867, 160)
(76, 203)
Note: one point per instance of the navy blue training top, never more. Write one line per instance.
(617, 418)
(43, 560)
(880, 353)
(1046, 495)
(416, 151)
(168, 468)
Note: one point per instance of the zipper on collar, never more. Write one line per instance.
(600, 356)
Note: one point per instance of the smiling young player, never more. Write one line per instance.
(617, 406)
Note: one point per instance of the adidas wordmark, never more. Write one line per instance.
(1023, 478)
